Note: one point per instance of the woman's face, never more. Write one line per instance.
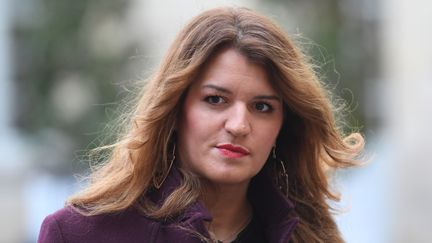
(229, 121)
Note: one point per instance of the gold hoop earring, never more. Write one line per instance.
(158, 180)
(281, 174)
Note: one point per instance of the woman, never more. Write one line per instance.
(231, 141)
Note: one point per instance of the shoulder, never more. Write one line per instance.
(68, 225)
(55, 225)
(50, 231)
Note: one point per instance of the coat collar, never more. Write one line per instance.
(196, 211)
(273, 209)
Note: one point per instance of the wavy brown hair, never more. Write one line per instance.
(310, 141)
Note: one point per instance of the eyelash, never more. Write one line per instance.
(208, 99)
(269, 107)
(222, 100)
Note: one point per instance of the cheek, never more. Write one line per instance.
(272, 129)
(267, 137)
(193, 121)
(267, 141)
(194, 125)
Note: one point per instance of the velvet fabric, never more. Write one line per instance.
(271, 208)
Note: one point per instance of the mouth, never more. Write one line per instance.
(232, 151)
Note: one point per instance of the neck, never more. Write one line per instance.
(230, 209)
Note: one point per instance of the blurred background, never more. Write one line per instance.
(65, 66)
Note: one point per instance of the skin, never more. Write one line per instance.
(232, 102)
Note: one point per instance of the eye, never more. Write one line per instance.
(214, 99)
(263, 107)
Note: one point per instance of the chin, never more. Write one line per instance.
(228, 178)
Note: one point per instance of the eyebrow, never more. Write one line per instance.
(224, 90)
(218, 88)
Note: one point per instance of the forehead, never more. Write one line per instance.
(231, 69)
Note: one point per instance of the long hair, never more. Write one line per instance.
(310, 141)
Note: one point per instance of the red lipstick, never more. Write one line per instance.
(232, 151)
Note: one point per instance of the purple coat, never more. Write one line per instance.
(130, 226)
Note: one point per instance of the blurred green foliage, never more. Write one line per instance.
(340, 38)
(51, 45)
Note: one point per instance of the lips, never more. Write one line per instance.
(232, 151)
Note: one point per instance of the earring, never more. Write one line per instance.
(158, 180)
(282, 174)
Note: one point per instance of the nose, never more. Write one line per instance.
(237, 122)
